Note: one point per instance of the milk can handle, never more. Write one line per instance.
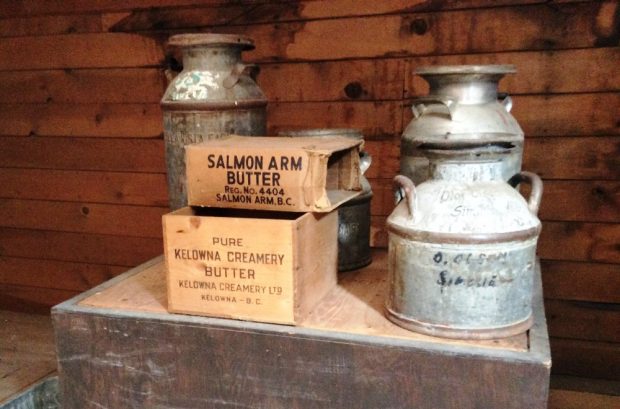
(537, 188)
(419, 105)
(238, 70)
(404, 184)
(506, 101)
(365, 161)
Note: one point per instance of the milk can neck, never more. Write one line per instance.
(466, 171)
(211, 57)
(467, 89)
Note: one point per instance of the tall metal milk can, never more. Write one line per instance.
(462, 109)
(353, 215)
(462, 247)
(213, 96)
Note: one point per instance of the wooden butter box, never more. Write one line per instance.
(249, 265)
(305, 174)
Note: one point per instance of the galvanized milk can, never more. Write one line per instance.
(462, 249)
(213, 96)
(462, 109)
(354, 215)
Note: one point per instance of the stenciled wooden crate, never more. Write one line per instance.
(279, 173)
(118, 347)
(248, 264)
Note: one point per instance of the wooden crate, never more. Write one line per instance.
(118, 347)
(251, 265)
(301, 174)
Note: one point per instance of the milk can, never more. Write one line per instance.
(462, 109)
(462, 249)
(213, 96)
(354, 215)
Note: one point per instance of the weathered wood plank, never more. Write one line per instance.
(537, 71)
(49, 25)
(61, 275)
(566, 399)
(31, 300)
(571, 114)
(568, 280)
(372, 118)
(87, 86)
(27, 350)
(40, 7)
(93, 187)
(78, 247)
(562, 115)
(333, 81)
(576, 241)
(559, 115)
(584, 384)
(271, 12)
(167, 18)
(585, 358)
(92, 120)
(593, 201)
(121, 220)
(80, 51)
(573, 157)
(537, 27)
(308, 9)
(103, 154)
(583, 320)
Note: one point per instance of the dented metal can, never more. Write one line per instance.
(463, 109)
(353, 215)
(462, 250)
(214, 95)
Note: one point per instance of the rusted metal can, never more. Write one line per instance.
(213, 96)
(462, 249)
(354, 215)
(461, 110)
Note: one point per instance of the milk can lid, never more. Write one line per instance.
(455, 212)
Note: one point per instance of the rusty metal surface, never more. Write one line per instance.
(197, 39)
(213, 96)
(462, 249)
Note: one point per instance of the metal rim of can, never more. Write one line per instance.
(466, 69)
(463, 238)
(211, 39)
(447, 331)
(199, 106)
(356, 265)
(323, 132)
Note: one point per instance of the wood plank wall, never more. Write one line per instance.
(82, 182)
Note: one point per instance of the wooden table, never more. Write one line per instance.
(118, 347)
